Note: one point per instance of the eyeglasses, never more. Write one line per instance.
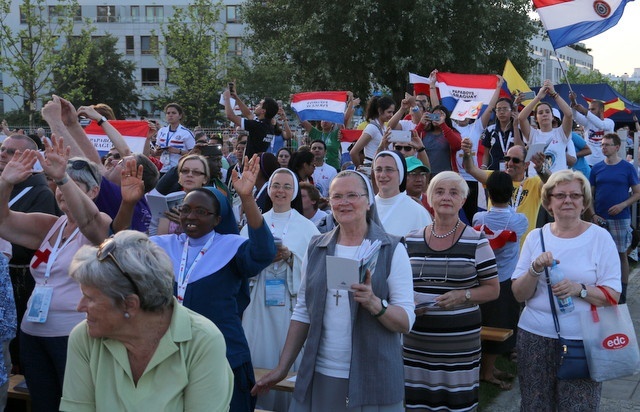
(114, 156)
(503, 109)
(278, 186)
(350, 197)
(607, 144)
(417, 174)
(563, 196)
(387, 170)
(185, 210)
(83, 164)
(402, 148)
(192, 172)
(105, 250)
(514, 160)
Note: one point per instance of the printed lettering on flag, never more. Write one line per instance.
(134, 133)
(570, 21)
(453, 87)
(328, 106)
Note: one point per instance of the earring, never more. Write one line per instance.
(126, 315)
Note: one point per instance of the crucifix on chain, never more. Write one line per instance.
(337, 296)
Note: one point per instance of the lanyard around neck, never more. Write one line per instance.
(57, 248)
(183, 278)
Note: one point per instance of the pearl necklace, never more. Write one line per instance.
(449, 233)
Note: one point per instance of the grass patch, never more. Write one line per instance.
(489, 392)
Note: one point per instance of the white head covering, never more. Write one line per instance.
(293, 176)
(400, 164)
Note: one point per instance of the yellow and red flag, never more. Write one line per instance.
(612, 106)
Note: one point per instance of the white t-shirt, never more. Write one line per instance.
(401, 214)
(557, 146)
(590, 258)
(374, 130)
(594, 130)
(322, 177)
(474, 132)
(181, 138)
(334, 352)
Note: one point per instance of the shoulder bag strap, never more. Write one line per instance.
(556, 323)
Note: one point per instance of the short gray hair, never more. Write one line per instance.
(90, 177)
(447, 176)
(147, 264)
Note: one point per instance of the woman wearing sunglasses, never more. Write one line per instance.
(139, 349)
(51, 311)
(212, 265)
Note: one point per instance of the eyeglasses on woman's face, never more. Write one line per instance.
(563, 196)
(186, 210)
(278, 186)
(192, 172)
(402, 148)
(351, 197)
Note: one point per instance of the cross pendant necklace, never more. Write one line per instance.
(337, 296)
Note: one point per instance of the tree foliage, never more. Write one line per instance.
(108, 78)
(30, 54)
(630, 90)
(196, 53)
(266, 76)
(363, 44)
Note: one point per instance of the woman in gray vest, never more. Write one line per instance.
(353, 355)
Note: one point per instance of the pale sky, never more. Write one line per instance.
(617, 50)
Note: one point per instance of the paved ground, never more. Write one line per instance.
(617, 395)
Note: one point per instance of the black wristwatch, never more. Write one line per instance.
(102, 120)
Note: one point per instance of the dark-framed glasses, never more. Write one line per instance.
(193, 172)
(563, 196)
(402, 148)
(185, 210)
(515, 160)
(105, 250)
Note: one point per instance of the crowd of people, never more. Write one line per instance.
(367, 269)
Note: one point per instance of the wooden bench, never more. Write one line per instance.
(19, 395)
(495, 334)
(284, 385)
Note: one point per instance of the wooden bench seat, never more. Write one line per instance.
(495, 334)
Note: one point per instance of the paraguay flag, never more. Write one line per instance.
(133, 131)
(570, 21)
(453, 87)
(328, 106)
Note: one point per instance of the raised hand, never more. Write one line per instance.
(244, 185)
(131, 184)
(68, 112)
(19, 167)
(54, 163)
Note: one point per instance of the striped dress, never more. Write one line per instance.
(442, 351)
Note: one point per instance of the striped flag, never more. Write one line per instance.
(612, 106)
(328, 106)
(133, 131)
(420, 84)
(453, 87)
(570, 21)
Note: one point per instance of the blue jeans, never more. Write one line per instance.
(43, 360)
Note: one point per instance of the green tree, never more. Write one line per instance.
(108, 78)
(196, 56)
(363, 44)
(30, 54)
(265, 76)
(591, 77)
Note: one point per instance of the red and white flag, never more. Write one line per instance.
(133, 131)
